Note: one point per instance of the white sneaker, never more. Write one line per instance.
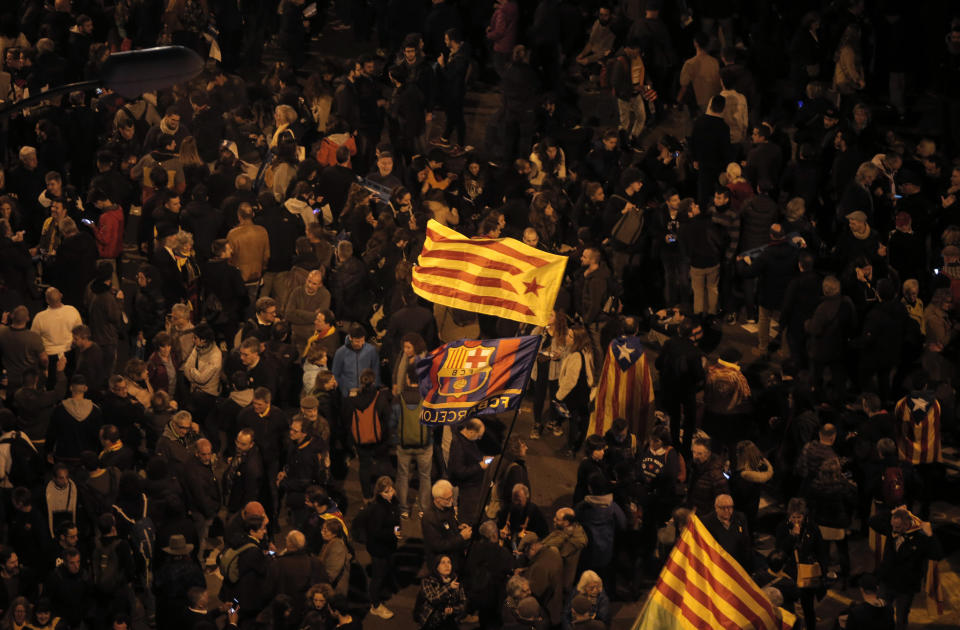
(381, 611)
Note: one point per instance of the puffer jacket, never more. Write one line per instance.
(348, 363)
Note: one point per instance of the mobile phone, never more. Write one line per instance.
(487, 460)
(99, 91)
(396, 529)
(234, 606)
(676, 154)
(799, 104)
(895, 196)
(726, 475)
(671, 238)
(936, 272)
(87, 221)
(271, 552)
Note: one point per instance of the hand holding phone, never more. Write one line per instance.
(488, 460)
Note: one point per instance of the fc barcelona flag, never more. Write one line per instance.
(702, 587)
(472, 377)
(625, 389)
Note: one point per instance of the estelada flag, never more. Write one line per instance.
(494, 276)
(625, 389)
(474, 377)
(702, 587)
(918, 435)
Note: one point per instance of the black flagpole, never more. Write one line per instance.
(496, 470)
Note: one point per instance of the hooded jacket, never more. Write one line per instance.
(74, 428)
(601, 519)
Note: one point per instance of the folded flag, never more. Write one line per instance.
(471, 377)
(703, 588)
(494, 276)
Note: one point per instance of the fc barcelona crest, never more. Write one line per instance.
(466, 370)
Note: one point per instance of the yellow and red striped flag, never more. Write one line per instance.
(625, 389)
(703, 588)
(494, 276)
(919, 433)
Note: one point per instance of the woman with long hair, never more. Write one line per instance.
(195, 170)
(544, 219)
(750, 471)
(546, 371)
(833, 501)
(138, 381)
(317, 616)
(577, 377)
(17, 615)
(848, 75)
(441, 600)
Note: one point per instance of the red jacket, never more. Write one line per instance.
(109, 233)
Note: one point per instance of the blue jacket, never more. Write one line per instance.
(601, 517)
(348, 363)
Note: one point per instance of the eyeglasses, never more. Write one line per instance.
(724, 507)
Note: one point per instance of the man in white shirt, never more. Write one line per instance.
(56, 323)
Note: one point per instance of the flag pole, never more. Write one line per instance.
(496, 470)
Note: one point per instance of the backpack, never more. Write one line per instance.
(365, 425)
(26, 467)
(892, 487)
(229, 562)
(142, 538)
(107, 576)
(606, 72)
(614, 302)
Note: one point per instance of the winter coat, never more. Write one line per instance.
(832, 502)
(601, 519)
(829, 328)
(704, 483)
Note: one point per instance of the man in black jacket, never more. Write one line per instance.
(443, 532)
(681, 376)
(243, 479)
(710, 147)
(701, 241)
(466, 467)
(775, 267)
(453, 67)
(909, 547)
(799, 302)
(202, 490)
(729, 527)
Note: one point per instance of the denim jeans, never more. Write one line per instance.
(424, 460)
(633, 115)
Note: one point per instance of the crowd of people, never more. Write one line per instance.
(209, 320)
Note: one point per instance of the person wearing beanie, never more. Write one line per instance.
(582, 615)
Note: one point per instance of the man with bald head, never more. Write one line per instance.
(297, 569)
(302, 306)
(21, 348)
(729, 527)
(55, 323)
(568, 538)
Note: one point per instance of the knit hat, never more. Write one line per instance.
(309, 402)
